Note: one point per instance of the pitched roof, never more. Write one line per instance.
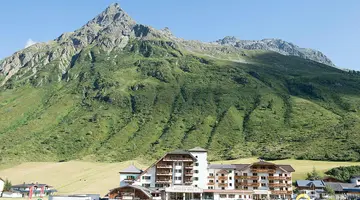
(2, 179)
(131, 169)
(181, 152)
(27, 185)
(145, 190)
(356, 176)
(241, 166)
(221, 166)
(287, 168)
(308, 183)
(339, 187)
(197, 149)
(261, 162)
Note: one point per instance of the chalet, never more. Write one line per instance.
(344, 190)
(315, 188)
(331, 179)
(33, 189)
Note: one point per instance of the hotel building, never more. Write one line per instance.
(186, 174)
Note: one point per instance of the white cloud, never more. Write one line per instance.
(29, 43)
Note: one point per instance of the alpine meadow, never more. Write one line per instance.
(115, 89)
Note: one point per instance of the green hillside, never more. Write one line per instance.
(154, 96)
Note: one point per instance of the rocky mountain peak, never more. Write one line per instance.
(228, 40)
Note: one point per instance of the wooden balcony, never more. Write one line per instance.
(222, 177)
(163, 181)
(288, 178)
(210, 183)
(263, 171)
(189, 174)
(249, 184)
(188, 181)
(247, 177)
(211, 177)
(177, 158)
(188, 166)
(222, 184)
(280, 185)
(164, 174)
(277, 192)
(164, 166)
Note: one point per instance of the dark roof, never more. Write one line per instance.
(180, 152)
(241, 166)
(221, 166)
(261, 162)
(356, 176)
(287, 168)
(145, 190)
(197, 149)
(27, 185)
(132, 170)
(339, 187)
(307, 183)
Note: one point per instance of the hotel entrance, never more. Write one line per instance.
(183, 193)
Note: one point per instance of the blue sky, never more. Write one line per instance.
(330, 26)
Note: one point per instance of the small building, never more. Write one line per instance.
(2, 184)
(134, 192)
(331, 179)
(11, 195)
(33, 189)
(344, 190)
(314, 189)
(75, 197)
(355, 180)
(129, 175)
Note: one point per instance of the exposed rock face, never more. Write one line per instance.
(113, 28)
(277, 45)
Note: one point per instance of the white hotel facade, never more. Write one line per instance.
(186, 174)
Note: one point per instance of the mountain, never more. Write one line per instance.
(277, 45)
(115, 90)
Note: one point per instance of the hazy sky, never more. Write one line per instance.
(330, 26)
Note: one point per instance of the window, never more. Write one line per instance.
(196, 164)
(263, 178)
(217, 181)
(231, 196)
(195, 185)
(222, 195)
(254, 174)
(280, 181)
(271, 181)
(211, 181)
(146, 185)
(146, 177)
(217, 174)
(130, 177)
(222, 181)
(236, 187)
(280, 174)
(230, 171)
(236, 174)
(263, 184)
(230, 184)
(196, 171)
(178, 170)
(286, 188)
(178, 163)
(177, 178)
(255, 188)
(240, 196)
(271, 188)
(244, 174)
(222, 175)
(281, 188)
(271, 174)
(245, 188)
(230, 178)
(211, 174)
(255, 181)
(159, 185)
(196, 156)
(196, 178)
(236, 180)
(286, 182)
(222, 188)
(210, 188)
(285, 174)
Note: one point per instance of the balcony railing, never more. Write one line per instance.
(247, 177)
(279, 178)
(211, 183)
(222, 177)
(222, 184)
(279, 184)
(263, 170)
(163, 181)
(177, 158)
(281, 192)
(164, 166)
(249, 184)
(211, 176)
(164, 174)
(188, 166)
(188, 174)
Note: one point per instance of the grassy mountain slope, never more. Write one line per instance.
(154, 96)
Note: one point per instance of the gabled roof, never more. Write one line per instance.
(261, 162)
(287, 168)
(356, 176)
(197, 149)
(308, 183)
(180, 152)
(221, 166)
(339, 187)
(27, 185)
(241, 166)
(145, 190)
(131, 170)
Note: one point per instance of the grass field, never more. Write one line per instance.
(88, 177)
